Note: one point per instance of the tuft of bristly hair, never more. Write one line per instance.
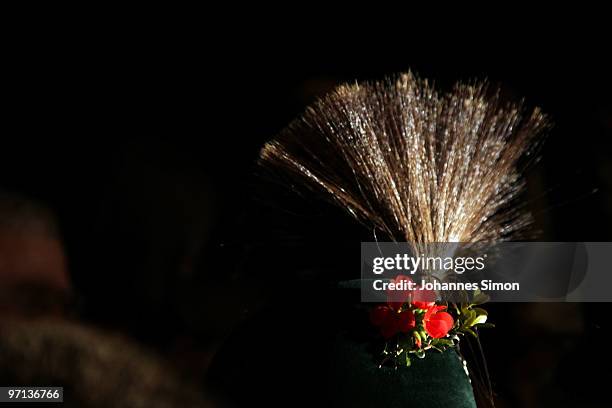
(418, 165)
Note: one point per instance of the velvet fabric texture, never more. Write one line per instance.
(438, 380)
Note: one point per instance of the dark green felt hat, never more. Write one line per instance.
(327, 355)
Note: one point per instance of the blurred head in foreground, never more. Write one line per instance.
(34, 280)
(40, 344)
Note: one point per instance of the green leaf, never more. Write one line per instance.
(445, 342)
(469, 314)
(469, 318)
(482, 319)
(472, 332)
(476, 316)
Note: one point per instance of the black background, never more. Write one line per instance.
(145, 146)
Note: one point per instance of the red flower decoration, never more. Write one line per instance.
(389, 318)
(423, 299)
(437, 323)
(397, 298)
(391, 321)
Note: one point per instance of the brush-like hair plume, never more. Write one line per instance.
(415, 164)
